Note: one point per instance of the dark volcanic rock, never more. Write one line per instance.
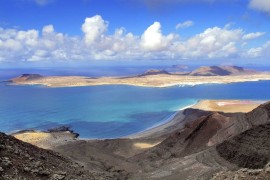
(19, 160)
(60, 129)
(250, 149)
(63, 129)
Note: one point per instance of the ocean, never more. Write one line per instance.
(109, 111)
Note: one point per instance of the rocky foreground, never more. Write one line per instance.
(20, 160)
(210, 145)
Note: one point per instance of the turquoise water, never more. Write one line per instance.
(109, 111)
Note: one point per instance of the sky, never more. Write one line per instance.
(136, 31)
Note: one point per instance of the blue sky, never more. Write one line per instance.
(63, 31)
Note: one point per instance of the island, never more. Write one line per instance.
(152, 78)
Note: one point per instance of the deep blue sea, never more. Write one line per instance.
(109, 111)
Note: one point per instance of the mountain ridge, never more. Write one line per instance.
(220, 71)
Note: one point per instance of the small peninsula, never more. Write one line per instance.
(151, 78)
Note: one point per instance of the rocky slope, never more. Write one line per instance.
(250, 151)
(19, 160)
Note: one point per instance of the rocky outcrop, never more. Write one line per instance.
(63, 129)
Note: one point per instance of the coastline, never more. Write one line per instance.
(178, 120)
(162, 125)
(159, 81)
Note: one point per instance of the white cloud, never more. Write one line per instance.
(212, 43)
(260, 5)
(185, 24)
(152, 38)
(96, 43)
(252, 36)
(94, 28)
(47, 29)
(263, 51)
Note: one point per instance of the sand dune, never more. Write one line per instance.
(144, 145)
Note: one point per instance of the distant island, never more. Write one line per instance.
(152, 78)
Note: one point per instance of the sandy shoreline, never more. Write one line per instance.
(161, 80)
(50, 140)
(228, 106)
(151, 131)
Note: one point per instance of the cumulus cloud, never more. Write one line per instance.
(260, 5)
(212, 43)
(252, 36)
(263, 51)
(152, 38)
(94, 28)
(185, 24)
(47, 29)
(96, 43)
